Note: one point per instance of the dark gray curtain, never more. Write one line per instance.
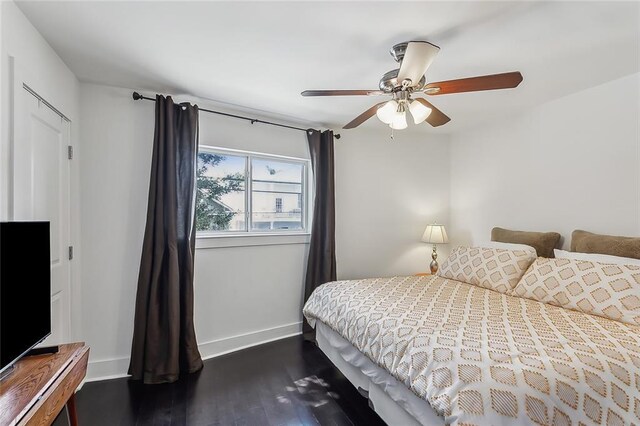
(321, 267)
(164, 341)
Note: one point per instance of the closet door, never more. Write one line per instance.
(41, 189)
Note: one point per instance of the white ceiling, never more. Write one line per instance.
(261, 55)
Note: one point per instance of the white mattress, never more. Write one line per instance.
(393, 401)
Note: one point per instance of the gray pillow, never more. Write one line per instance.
(543, 242)
(587, 242)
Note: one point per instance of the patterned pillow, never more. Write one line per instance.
(602, 289)
(495, 269)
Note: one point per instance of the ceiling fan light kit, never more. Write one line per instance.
(399, 120)
(419, 112)
(415, 57)
(387, 112)
(394, 112)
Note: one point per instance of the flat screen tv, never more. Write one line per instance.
(25, 288)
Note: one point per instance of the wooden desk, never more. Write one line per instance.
(40, 386)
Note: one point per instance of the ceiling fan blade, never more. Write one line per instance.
(342, 93)
(507, 80)
(364, 116)
(417, 58)
(437, 117)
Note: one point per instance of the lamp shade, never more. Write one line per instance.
(399, 121)
(419, 112)
(387, 112)
(435, 234)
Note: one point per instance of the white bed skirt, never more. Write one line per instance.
(391, 400)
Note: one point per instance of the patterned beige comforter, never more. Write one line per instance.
(485, 358)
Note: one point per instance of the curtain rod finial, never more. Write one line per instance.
(337, 136)
(136, 96)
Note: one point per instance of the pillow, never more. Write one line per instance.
(495, 269)
(543, 242)
(602, 289)
(586, 242)
(507, 246)
(594, 257)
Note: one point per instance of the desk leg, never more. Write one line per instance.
(71, 410)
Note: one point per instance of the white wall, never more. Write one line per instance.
(117, 139)
(386, 193)
(244, 295)
(28, 58)
(573, 163)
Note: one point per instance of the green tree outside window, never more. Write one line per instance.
(211, 214)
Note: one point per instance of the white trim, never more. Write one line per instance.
(227, 345)
(248, 193)
(253, 153)
(115, 368)
(250, 240)
(305, 186)
(105, 369)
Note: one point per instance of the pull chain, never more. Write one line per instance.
(391, 139)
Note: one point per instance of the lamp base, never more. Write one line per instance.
(434, 263)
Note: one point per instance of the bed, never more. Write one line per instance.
(435, 350)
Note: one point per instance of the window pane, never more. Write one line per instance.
(220, 200)
(276, 197)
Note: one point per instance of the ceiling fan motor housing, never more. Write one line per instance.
(398, 51)
(389, 82)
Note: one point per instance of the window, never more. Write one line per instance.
(239, 192)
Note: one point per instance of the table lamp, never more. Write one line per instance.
(435, 234)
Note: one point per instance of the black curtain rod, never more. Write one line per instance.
(137, 96)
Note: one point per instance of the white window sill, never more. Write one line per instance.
(212, 241)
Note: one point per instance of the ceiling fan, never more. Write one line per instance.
(415, 57)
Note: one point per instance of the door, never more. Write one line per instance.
(41, 192)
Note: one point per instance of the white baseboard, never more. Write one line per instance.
(113, 368)
(105, 369)
(226, 345)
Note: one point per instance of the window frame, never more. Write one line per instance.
(306, 186)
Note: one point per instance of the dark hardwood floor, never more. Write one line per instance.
(287, 382)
